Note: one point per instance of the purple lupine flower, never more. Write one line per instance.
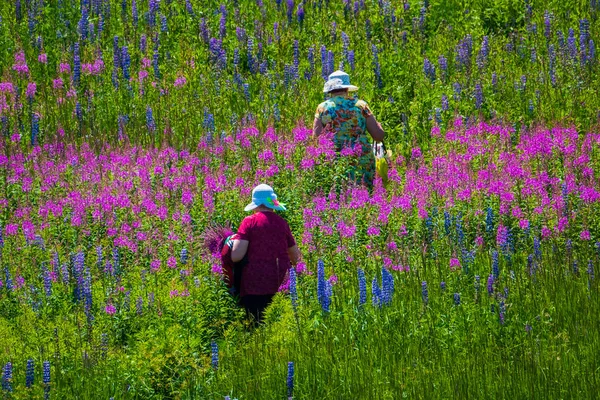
(368, 29)
(293, 289)
(35, 128)
(18, 11)
(290, 10)
(457, 299)
(501, 312)
(139, 305)
(150, 124)
(362, 287)
(376, 293)
(387, 286)
(125, 63)
(429, 70)
(163, 23)
(330, 62)
(495, 267)
(47, 280)
(300, 13)
(324, 67)
(7, 377)
(445, 105)
(443, 286)
(464, 50)
(483, 53)
(457, 91)
(29, 373)
(424, 292)
(547, 25)
(490, 284)
(443, 64)
(46, 373)
(214, 350)
(290, 380)
(76, 64)
(572, 44)
(204, 31)
(322, 289)
(134, 13)
(83, 23)
(376, 67)
(478, 96)
(188, 7)
(223, 26)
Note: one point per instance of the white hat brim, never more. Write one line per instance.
(351, 88)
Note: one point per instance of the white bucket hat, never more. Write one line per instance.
(264, 195)
(338, 80)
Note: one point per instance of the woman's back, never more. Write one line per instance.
(269, 238)
(347, 117)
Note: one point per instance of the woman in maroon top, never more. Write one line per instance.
(271, 250)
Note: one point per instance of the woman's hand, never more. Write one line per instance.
(239, 249)
(294, 254)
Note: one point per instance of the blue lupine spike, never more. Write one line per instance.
(362, 287)
(290, 380)
(29, 373)
(214, 348)
(293, 289)
(424, 292)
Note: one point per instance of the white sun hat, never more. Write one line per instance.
(338, 80)
(264, 195)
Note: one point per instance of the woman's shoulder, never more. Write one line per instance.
(329, 103)
(361, 104)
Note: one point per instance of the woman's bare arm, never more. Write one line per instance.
(317, 127)
(239, 249)
(294, 254)
(375, 130)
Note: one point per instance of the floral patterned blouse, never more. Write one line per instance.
(347, 117)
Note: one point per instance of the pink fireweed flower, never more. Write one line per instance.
(546, 232)
(31, 89)
(301, 268)
(174, 293)
(155, 265)
(11, 229)
(435, 131)
(524, 224)
(110, 309)
(172, 262)
(216, 269)
(479, 241)
(43, 58)
(416, 153)
(392, 246)
(20, 64)
(333, 279)
(57, 83)
(373, 231)
(180, 81)
(64, 68)
(143, 74)
(454, 264)
(19, 282)
(585, 235)
(346, 230)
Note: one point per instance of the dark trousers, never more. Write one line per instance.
(255, 305)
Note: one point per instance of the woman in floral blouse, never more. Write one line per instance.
(351, 120)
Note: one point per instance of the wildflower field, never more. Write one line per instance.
(128, 127)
